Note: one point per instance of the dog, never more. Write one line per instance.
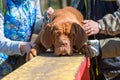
(63, 34)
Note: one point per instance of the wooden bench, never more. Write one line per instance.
(48, 67)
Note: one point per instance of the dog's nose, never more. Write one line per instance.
(64, 43)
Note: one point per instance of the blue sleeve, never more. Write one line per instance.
(7, 46)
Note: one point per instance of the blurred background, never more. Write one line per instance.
(56, 4)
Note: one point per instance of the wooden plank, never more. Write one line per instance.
(48, 67)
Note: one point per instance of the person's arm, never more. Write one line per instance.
(39, 17)
(6, 45)
(12, 47)
(110, 24)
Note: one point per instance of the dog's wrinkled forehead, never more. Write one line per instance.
(64, 27)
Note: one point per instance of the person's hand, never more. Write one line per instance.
(25, 47)
(50, 11)
(47, 15)
(90, 27)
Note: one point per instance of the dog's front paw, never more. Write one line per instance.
(31, 54)
(86, 49)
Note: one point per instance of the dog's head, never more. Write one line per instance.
(64, 31)
(63, 36)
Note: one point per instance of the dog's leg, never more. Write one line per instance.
(87, 50)
(36, 50)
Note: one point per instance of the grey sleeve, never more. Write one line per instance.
(110, 24)
(39, 17)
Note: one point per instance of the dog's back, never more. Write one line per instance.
(74, 11)
(68, 13)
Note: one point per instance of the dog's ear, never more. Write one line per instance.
(80, 36)
(46, 36)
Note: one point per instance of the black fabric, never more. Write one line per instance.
(16, 61)
(81, 7)
(98, 9)
(111, 65)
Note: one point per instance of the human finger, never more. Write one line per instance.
(85, 21)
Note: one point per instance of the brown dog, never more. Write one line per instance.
(62, 34)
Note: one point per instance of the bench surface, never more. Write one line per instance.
(48, 67)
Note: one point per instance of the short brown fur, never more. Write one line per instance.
(62, 33)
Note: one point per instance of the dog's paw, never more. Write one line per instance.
(86, 49)
(31, 54)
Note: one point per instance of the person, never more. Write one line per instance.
(10, 48)
(107, 30)
(21, 19)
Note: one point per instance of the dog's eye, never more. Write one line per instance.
(57, 33)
